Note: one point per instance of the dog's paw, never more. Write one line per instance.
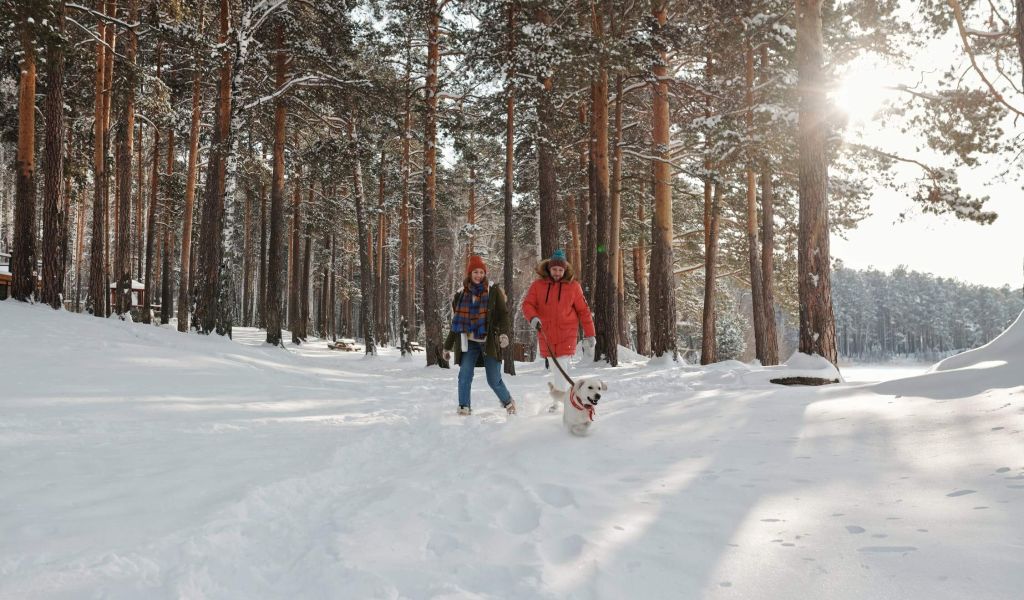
(580, 429)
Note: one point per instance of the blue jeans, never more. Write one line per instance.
(492, 367)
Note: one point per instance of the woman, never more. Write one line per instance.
(479, 332)
(555, 306)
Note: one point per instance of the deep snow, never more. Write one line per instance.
(142, 463)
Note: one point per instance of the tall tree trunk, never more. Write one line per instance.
(662, 282)
(546, 158)
(272, 302)
(211, 250)
(643, 314)
(406, 267)
(54, 206)
(712, 206)
(23, 267)
(431, 309)
(261, 294)
(366, 279)
(771, 342)
(584, 256)
(615, 224)
(166, 288)
(574, 230)
(817, 323)
(184, 279)
(508, 248)
(97, 278)
(247, 256)
(125, 140)
(139, 239)
(295, 261)
(307, 255)
(753, 249)
(108, 96)
(152, 218)
(604, 298)
(383, 268)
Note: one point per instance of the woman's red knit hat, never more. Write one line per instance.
(475, 262)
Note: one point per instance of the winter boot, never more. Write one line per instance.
(510, 408)
(465, 411)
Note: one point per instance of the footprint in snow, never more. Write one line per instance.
(887, 549)
(558, 496)
(855, 529)
(960, 493)
(568, 549)
(522, 515)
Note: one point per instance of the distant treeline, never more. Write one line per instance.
(880, 316)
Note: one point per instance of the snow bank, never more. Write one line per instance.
(143, 463)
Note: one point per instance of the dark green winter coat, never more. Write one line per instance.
(497, 324)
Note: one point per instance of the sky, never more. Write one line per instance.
(990, 255)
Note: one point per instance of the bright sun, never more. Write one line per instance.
(864, 90)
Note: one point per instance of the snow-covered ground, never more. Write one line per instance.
(138, 462)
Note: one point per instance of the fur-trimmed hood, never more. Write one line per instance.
(543, 273)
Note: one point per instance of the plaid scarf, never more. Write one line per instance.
(471, 317)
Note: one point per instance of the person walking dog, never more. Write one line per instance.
(479, 333)
(555, 306)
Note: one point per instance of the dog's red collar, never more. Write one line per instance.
(579, 405)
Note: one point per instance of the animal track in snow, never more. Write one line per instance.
(960, 493)
(522, 515)
(887, 549)
(565, 549)
(558, 496)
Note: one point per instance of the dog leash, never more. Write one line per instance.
(551, 354)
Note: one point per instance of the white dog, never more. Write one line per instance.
(580, 402)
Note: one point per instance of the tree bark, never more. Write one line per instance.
(295, 260)
(508, 249)
(546, 158)
(261, 295)
(366, 279)
(643, 314)
(23, 267)
(431, 309)
(272, 302)
(383, 264)
(753, 250)
(662, 282)
(54, 204)
(208, 312)
(406, 267)
(817, 323)
(95, 302)
(771, 342)
(712, 206)
(125, 140)
(604, 297)
(247, 270)
(184, 282)
(166, 288)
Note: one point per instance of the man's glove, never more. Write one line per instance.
(447, 356)
(589, 343)
(536, 323)
(503, 341)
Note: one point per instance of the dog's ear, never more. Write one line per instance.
(604, 386)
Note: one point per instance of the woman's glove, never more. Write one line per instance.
(503, 341)
(535, 322)
(589, 343)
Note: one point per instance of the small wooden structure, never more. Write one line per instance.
(5, 275)
(138, 294)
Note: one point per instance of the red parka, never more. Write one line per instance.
(561, 308)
